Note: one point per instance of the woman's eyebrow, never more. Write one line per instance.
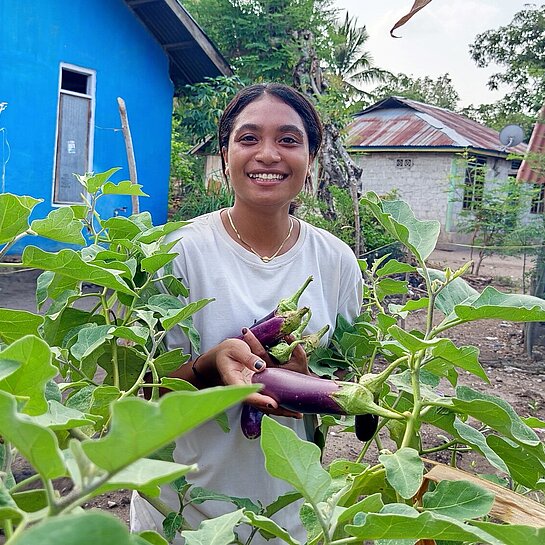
(292, 128)
(283, 128)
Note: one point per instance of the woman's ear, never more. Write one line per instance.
(224, 156)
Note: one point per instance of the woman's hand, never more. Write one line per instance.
(236, 362)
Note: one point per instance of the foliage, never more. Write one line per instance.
(256, 36)
(495, 214)
(377, 240)
(516, 48)
(496, 116)
(79, 425)
(437, 92)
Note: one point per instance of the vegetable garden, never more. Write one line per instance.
(70, 379)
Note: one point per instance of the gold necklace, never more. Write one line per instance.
(263, 258)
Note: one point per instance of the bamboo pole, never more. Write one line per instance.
(135, 205)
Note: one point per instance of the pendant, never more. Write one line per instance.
(265, 259)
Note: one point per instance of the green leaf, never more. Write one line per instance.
(15, 324)
(30, 379)
(30, 500)
(409, 524)
(495, 305)
(58, 326)
(389, 286)
(465, 357)
(123, 188)
(199, 495)
(462, 500)
(153, 537)
(9, 510)
(393, 266)
(155, 233)
(129, 363)
(137, 334)
(93, 182)
(59, 417)
(89, 339)
(172, 523)
(7, 367)
(453, 294)
(216, 531)
(153, 263)
(146, 476)
(494, 412)
(60, 225)
(88, 528)
(170, 361)
(14, 213)
(293, 460)
(404, 471)
(513, 534)
(270, 527)
(173, 317)
(69, 263)
(420, 237)
(411, 342)
(37, 444)
(175, 414)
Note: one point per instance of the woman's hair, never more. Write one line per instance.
(299, 102)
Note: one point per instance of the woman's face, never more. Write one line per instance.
(268, 154)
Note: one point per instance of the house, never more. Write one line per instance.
(430, 156)
(64, 64)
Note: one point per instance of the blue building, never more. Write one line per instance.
(63, 65)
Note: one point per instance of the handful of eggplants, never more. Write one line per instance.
(304, 393)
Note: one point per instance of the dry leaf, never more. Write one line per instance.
(417, 6)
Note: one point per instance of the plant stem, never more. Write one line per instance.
(20, 485)
(414, 365)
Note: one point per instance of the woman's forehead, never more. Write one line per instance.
(269, 111)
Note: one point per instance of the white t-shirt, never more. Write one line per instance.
(245, 289)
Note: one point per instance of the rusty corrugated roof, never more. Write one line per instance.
(398, 122)
(532, 169)
(191, 53)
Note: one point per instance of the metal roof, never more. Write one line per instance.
(398, 122)
(191, 53)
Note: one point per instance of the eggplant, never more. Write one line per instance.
(250, 421)
(365, 426)
(313, 395)
(268, 333)
(287, 304)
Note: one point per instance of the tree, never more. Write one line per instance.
(256, 36)
(519, 48)
(350, 62)
(437, 92)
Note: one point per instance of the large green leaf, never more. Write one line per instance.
(408, 523)
(495, 305)
(129, 365)
(216, 531)
(14, 213)
(8, 508)
(293, 460)
(30, 379)
(199, 495)
(60, 417)
(174, 317)
(465, 357)
(91, 528)
(404, 471)
(70, 263)
(15, 324)
(139, 428)
(514, 534)
(462, 500)
(93, 182)
(155, 233)
(123, 188)
(271, 528)
(494, 412)
(89, 339)
(60, 225)
(57, 326)
(456, 292)
(36, 443)
(398, 219)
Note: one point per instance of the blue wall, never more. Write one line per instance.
(101, 35)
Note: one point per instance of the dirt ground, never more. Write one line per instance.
(514, 375)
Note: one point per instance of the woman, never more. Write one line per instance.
(247, 258)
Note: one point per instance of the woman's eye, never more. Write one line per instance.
(248, 138)
(289, 140)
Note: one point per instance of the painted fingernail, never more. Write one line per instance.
(244, 330)
(269, 406)
(259, 364)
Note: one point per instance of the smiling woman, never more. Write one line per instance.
(247, 258)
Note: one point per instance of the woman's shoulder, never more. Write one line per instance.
(195, 228)
(328, 240)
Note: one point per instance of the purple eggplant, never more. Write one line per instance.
(365, 426)
(287, 304)
(250, 421)
(270, 332)
(313, 395)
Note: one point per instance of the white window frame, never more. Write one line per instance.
(91, 95)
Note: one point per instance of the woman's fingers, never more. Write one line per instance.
(255, 346)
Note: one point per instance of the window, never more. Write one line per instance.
(538, 196)
(74, 135)
(474, 182)
(404, 163)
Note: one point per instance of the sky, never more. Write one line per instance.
(436, 40)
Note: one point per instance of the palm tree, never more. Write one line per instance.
(351, 63)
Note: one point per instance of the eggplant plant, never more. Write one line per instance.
(70, 375)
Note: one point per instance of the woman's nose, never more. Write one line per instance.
(268, 153)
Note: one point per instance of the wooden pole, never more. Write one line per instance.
(130, 151)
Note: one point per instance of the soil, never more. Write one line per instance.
(515, 376)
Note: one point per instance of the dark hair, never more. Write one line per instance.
(299, 102)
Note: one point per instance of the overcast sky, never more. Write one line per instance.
(436, 40)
